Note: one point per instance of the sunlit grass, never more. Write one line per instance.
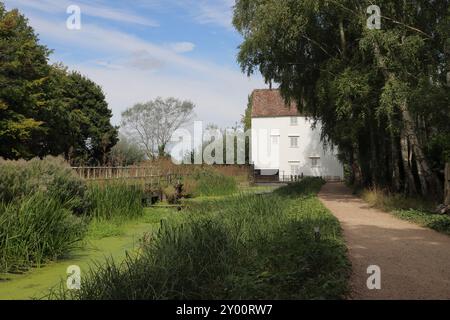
(238, 247)
(115, 201)
(37, 230)
(416, 210)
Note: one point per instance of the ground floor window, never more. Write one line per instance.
(315, 162)
(275, 140)
(295, 168)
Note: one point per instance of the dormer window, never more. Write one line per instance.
(294, 121)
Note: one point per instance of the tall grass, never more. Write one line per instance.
(36, 230)
(117, 201)
(51, 176)
(45, 209)
(211, 183)
(394, 201)
(307, 188)
(416, 210)
(41, 204)
(242, 247)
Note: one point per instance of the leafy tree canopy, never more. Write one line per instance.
(45, 109)
(381, 95)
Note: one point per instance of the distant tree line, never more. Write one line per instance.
(382, 95)
(46, 109)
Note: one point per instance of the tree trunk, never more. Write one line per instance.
(343, 39)
(356, 168)
(162, 151)
(410, 184)
(374, 168)
(395, 170)
(427, 177)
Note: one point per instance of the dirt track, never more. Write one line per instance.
(414, 261)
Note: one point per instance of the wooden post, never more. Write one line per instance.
(447, 184)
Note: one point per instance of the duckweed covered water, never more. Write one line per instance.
(36, 283)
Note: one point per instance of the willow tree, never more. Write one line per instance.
(362, 83)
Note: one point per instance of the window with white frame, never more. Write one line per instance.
(315, 162)
(295, 168)
(294, 121)
(275, 140)
(294, 141)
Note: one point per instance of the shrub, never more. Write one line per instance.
(171, 194)
(51, 176)
(189, 187)
(35, 230)
(116, 200)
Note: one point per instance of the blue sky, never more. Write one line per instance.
(138, 50)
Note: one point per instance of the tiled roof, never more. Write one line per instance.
(270, 103)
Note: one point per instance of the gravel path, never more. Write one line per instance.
(414, 261)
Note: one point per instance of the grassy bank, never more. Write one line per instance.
(115, 201)
(209, 183)
(415, 210)
(36, 283)
(36, 230)
(46, 210)
(240, 247)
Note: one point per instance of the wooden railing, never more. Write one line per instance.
(126, 173)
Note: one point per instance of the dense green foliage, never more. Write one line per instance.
(210, 183)
(44, 109)
(78, 120)
(51, 176)
(438, 222)
(115, 201)
(381, 95)
(42, 203)
(415, 210)
(45, 209)
(126, 153)
(23, 69)
(35, 230)
(243, 247)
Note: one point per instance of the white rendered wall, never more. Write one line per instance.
(309, 146)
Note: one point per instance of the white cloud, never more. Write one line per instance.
(131, 70)
(211, 12)
(216, 12)
(181, 47)
(60, 6)
(143, 60)
(92, 38)
(220, 101)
